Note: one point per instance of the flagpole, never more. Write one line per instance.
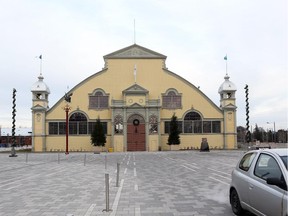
(226, 65)
(225, 58)
(40, 57)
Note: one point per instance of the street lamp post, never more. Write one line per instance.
(67, 109)
(274, 132)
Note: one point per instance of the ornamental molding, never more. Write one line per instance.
(38, 107)
(135, 89)
(135, 51)
(136, 105)
(230, 106)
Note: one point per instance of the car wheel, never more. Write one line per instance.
(235, 202)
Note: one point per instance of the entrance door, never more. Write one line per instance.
(136, 133)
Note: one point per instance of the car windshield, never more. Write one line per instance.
(284, 159)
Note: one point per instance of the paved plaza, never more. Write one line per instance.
(149, 184)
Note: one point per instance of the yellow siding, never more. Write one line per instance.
(230, 122)
(230, 141)
(38, 144)
(75, 143)
(150, 75)
(194, 141)
(119, 143)
(153, 143)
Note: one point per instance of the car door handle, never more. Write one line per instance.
(251, 186)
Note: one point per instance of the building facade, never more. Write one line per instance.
(135, 96)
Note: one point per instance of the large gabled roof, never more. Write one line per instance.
(135, 51)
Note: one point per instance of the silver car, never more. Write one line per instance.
(259, 183)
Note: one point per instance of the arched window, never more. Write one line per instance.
(192, 123)
(98, 100)
(153, 124)
(118, 124)
(77, 117)
(77, 123)
(171, 100)
(192, 116)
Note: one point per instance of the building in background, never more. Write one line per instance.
(135, 96)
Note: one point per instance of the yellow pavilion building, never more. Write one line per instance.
(134, 96)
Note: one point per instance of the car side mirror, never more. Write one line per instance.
(277, 182)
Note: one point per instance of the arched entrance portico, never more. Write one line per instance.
(136, 133)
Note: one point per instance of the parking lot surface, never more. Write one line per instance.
(148, 183)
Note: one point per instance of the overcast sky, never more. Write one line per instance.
(195, 35)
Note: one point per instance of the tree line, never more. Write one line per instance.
(262, 135)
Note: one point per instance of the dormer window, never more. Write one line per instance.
(98, 100)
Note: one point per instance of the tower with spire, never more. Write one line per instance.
(40, 105)
(227, 92)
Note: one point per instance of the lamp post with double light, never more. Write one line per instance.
(67, 108)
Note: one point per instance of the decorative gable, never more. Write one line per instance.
(135, 105)
(38, 107)
(134, 51)
(135, 90)
(230, 106)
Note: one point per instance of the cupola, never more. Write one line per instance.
(227, 89)
(40, 90)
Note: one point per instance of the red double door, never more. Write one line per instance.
(136, 136)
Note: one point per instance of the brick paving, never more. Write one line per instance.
(168, 183)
